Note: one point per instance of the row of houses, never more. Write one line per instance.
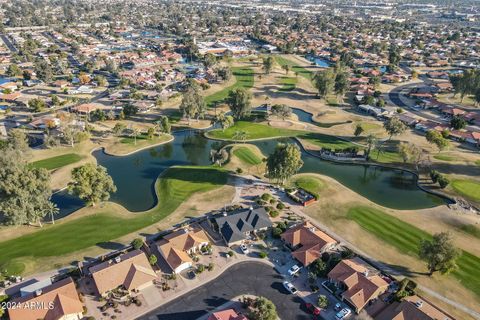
(359, 282)
(61, 301)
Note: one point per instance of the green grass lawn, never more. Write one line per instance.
(444, 157)
(309, 183)
(477, 162)
(175, 186)
(247, 156)
(326, 141)
(406, 239)
(287, 83)
(295, 67)
(471, 230)
(468, 188)
(244, 79)
(57, 162)
(386, 157)
(262, 131)
(253, 130)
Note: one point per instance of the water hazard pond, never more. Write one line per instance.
(135, 175)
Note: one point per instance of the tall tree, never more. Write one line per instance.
(193, 105)
(436, 138)
(324, 82)
(342, 84)
(281, 110)
(263, 309)
(24, 191)
(440, 253)
(284, 162)
(239, 101)
(91, 183)
(394, 127)
(372, 143)
(43, 71)
(268, 64)
(209, 60)
(13, 71)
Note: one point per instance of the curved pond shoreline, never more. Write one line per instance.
(135, 174)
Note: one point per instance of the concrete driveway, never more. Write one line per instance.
(245, 278)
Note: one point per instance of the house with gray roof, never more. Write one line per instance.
(236, 226)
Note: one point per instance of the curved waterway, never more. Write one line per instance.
(135, 175)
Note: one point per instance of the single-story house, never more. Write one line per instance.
(407, 119)
(9, 86)
(10, 97)
(472, 117)
(58, 301)
(360, 286)
(228, 314)
(85, 108)
(44, 123)
(451, 111)
(412, 307)
(143, 106)
(176, 247)
(307, 242)
(131, 270)
(237, 226)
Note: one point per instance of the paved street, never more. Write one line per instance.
(245, 278)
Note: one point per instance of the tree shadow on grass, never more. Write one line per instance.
(110, 245)
(406, 271)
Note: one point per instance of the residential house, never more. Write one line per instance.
(451, 111)
(307, 242)
(58, 301)
(132, 271)
(12, 86)
(472, 118)
(85, 108)
(46, 122)
(412, 307)
(407, 119)
(360, 286)
(228, 314)
(444, 87)
(177, 247)
(10, 97)
(143, 106)
(239, 225)
(427, 125)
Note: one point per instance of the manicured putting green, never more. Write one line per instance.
(468, 188)
(57, 162)
(247, 156)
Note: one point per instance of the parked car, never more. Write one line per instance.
(191, 274)
(312, 309)
(338, 306)
(293, 270)
(244, 248)
(343, 313)
(290, 287)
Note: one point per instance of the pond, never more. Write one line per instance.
(319, 62)
(135, 175)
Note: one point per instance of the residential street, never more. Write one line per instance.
(251, 278)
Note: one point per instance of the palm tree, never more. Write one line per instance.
(52, 209)
(135, 133)
(372, 142)
(240, 135)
